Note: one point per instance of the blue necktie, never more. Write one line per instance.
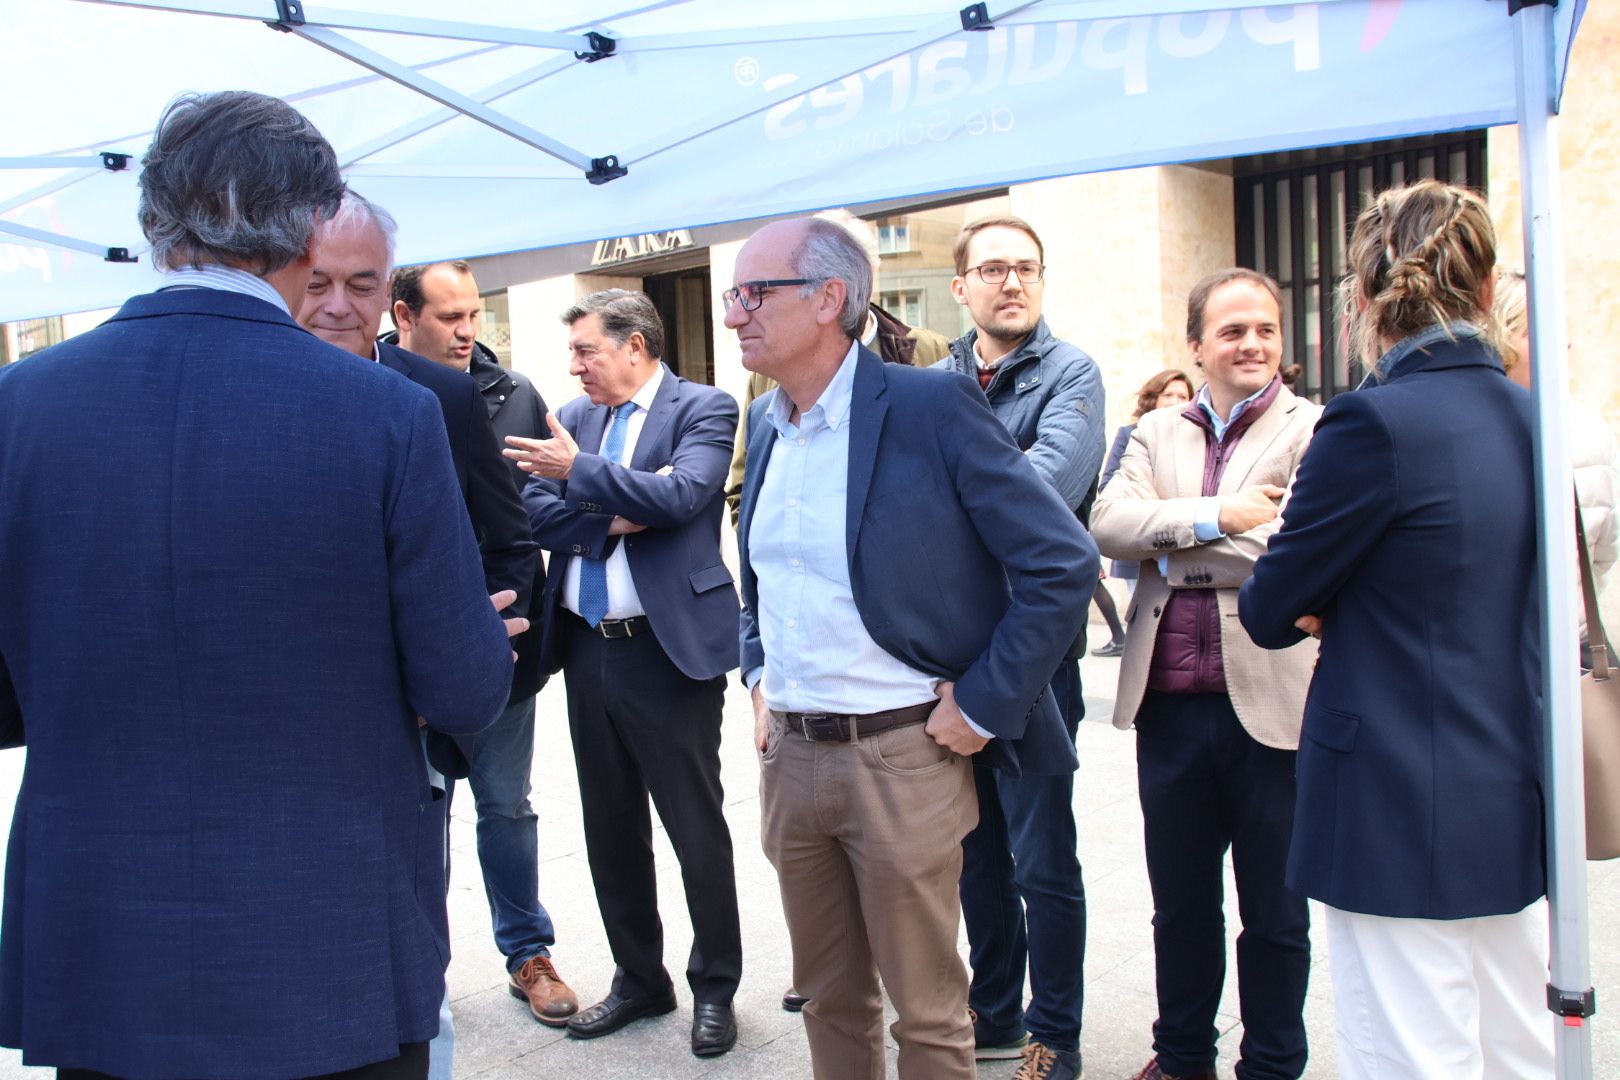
(593, 597)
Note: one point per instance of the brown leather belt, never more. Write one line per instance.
(841, 727)
(634, 626)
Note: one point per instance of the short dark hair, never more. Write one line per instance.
(1004, 221)
(236, 178)
(1198, 299)
(406, 283)
(623, 313)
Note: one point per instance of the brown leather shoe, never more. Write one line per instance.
(1151, 1071)
(549, 998)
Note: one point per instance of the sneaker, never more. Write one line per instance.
(996, 1044)
(1041, 1062)
(1151, 1071)
(1113, 648)
(549, 998)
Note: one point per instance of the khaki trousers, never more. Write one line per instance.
(866, 838)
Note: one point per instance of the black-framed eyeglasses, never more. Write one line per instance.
(994, 273)
(752, 293)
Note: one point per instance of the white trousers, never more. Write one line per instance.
(1464, 999)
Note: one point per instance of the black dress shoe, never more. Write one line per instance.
(714, 1029)
(793, 1001)
(613, 1012)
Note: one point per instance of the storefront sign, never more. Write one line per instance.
(625, 248)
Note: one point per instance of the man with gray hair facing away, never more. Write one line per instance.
(221, 650)
(910, 585)
(641, 617)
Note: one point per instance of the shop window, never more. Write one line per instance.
(907, 305)
(1294, 215)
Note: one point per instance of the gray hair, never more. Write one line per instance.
(623, 313)
(828, 252)
(238, 178)
(864, 232)
(356, 212)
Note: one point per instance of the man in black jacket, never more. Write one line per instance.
(347, 296)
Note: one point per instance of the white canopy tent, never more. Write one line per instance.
(511, 125)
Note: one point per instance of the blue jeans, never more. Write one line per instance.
(508, 834)
(1022, 897)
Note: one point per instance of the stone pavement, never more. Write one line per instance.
(496, 1039)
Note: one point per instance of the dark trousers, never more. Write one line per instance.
(1206, 785)
(642, 728)
(1022, 897)
(412, 1064)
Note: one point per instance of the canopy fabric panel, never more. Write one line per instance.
(718, 111)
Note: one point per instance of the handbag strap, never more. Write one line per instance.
(1596, 639)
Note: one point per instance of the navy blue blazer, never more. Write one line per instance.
(1411, 532)
(943, 513)
(681, 578)
(511, 557)
(226, 603)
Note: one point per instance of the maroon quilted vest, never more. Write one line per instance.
(1187, 652)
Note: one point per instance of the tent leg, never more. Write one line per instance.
(1570, 989)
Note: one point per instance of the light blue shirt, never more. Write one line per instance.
(623, 600)
(224, 279)
(818, 655)
(1207, 514)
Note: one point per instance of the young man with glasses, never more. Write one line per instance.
(1022, 896)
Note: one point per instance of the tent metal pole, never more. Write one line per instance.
(1569, 995)
(440, 116)
(41, 236)
(51, 188)
(444, 95)
(445, 29)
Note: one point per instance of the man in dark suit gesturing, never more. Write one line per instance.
(220, 650)
(911, 584)
(641, 616)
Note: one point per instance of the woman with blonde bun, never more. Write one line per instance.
(1409, 546)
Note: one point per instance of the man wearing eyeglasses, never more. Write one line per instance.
(910, 582)
(1022, 896)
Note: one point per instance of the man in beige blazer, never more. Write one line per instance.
(1217, 719)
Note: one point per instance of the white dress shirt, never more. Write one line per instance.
(623, 601)
(818, 655)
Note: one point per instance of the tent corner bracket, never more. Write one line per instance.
(113, 161)
(977, 17)
(604, 169)
(121, 255)
(1566, 1003)
(289, 13)
(602, 47)
(1516, 6)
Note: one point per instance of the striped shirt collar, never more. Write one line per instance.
(224, 279)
